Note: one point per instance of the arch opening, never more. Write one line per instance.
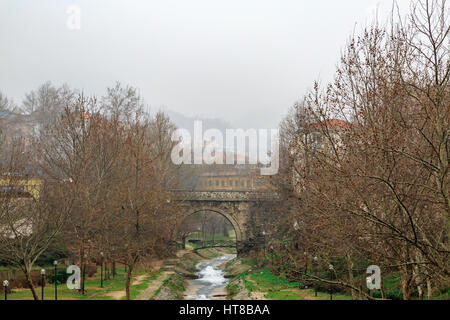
(207, 228)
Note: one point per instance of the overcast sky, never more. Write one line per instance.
(244, 61)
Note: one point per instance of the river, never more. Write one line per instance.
(211, 283)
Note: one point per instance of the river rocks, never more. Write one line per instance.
(237, 290)
(172, 288)
(235, 268)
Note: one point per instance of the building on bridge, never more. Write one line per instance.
(232, 180)
(20, 187)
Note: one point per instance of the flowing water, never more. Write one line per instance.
(211, 282)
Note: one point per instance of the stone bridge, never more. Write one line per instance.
(246, 210)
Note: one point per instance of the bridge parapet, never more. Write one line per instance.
(229, 196)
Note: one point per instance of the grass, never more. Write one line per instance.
(278, 287)
(217, 237)
(304, 294)
(92, 287)
(176, 285)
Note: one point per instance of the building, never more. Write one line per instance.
(232, 180)
(21, 187)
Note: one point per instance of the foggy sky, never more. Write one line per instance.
(244, 61)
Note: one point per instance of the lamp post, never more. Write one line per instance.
(264, 234)
(5, 286)
(331, 278)
(271, 248)
(55, 280)
(101, 270)
(84, 273)
(315, 271)
(42, 283)
(305, 254)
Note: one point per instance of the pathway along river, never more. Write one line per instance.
(211, 283)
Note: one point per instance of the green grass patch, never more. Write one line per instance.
(92, 288)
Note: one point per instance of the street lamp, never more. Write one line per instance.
(271, 248)
(84, 273)
(42, 283)
(5, 286)
(264, 234)
(55, 263)
(331, 278)
(306, 262)
(101, 270)
(315, 269)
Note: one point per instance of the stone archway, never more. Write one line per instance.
(231, 219)
(242, 209)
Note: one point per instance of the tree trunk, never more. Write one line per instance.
(429, 290)
(114, 272)
(383, 290)
(225, 230)
(107, 273)
(417, 276)
(128, 282)
(30, 284)
(350, 274)
(405, 277)
(184, 242)
(82, 263)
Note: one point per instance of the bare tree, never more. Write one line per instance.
(32, 213)
(6, 104)
(376, 181)
(47, 102)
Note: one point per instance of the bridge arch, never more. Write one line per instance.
(241, 208)
(224, 213)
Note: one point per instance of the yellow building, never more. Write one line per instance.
(21, 186)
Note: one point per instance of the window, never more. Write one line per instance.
(223, 183)
(236, 183)
(217, 183)
(242, 183)
(248, 183)
(210, 183)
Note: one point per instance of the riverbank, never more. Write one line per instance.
(248, 282)
(180, 278)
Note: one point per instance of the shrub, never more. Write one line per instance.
(394, 294)
(91, 269)
(61, 276)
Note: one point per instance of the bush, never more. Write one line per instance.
(394, 294)
(54, 252)
(376, 294)
(91, 269)
(61, 276)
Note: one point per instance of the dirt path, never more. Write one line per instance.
(153, 286)
(116, 295)
(139, 279)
